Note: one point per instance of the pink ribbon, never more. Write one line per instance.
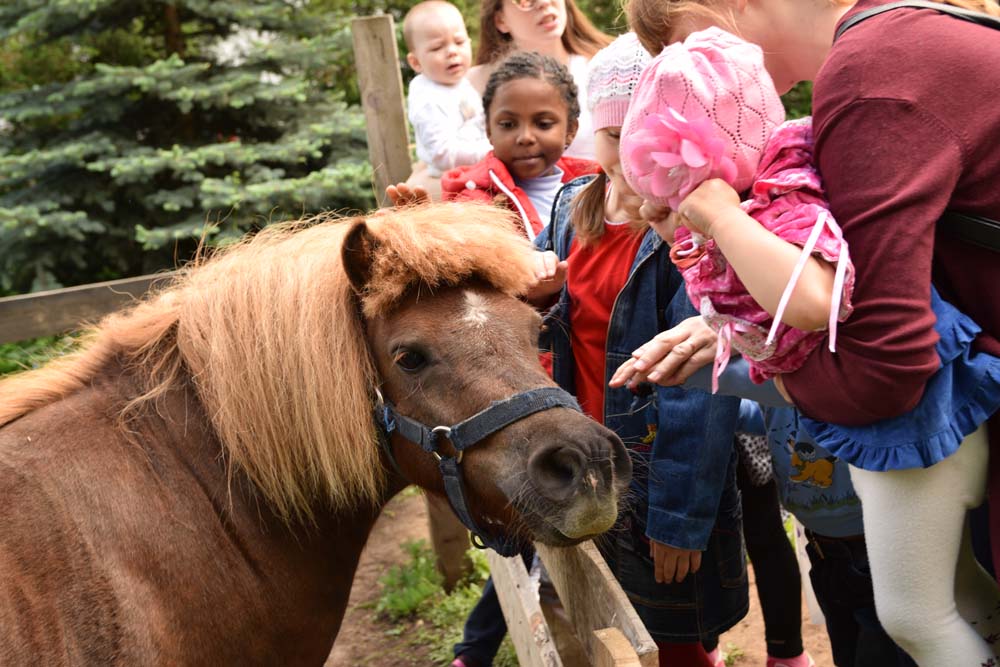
(724, 350)
(824, 219)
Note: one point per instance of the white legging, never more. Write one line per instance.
(929, 589)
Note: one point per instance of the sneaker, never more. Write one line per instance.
(465, 661)
(801, 660)
(717, 659)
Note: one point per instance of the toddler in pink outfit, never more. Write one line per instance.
(706, 108)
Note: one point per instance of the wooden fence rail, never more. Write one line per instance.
(47, 313)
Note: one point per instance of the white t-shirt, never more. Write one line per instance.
(542, 190)
(448, 122)
(583, 144)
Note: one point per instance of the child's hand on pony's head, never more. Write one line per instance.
(550, 276)
(402, 194)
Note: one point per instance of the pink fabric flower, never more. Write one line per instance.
(675, 155)
(703, 108)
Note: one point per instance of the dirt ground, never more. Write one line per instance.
(363, 641)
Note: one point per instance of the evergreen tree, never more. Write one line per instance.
(127, 125)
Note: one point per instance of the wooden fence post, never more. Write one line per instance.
(594, 600)
(376, 59)
(450, 540)
(612, 649)
(525, 622)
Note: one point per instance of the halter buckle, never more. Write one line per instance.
(443, 431)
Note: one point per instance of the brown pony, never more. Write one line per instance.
(196, 484)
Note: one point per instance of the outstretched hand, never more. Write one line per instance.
(671, 357)
(671, 564)
(550, 276)
(402, 194)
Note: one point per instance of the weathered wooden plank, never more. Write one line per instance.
(55, 311)
(376, 59)
(525, 622)
(593, 599)
(613, 649)
(450, 540)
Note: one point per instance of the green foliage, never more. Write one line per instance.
(413, 591)
(798, 101)
(607, 16)
(16, 357)
(129, 131)
(405, 588)
(733, 654)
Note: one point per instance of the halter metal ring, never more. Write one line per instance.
(444, 431)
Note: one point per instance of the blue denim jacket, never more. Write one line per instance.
(683, 438)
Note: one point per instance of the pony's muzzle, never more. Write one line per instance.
(558, 471)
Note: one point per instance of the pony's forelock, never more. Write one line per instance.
(445, 245)
(268, 333)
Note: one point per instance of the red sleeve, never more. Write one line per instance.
(453, 187)
(889, 169)
(574, 167)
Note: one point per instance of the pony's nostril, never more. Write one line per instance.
(556, 471)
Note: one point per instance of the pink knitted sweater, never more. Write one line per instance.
(786, 197)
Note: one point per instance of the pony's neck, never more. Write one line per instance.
(301, 574)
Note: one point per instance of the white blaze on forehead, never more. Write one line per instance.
(476, 309)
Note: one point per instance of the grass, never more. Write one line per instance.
(413, 599)
(734, 654)
(16, 357)
(405, 588)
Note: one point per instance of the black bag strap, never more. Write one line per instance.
(964, 14)
(982, 232)
(973, 229)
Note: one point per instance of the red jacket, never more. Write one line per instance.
(489, 181)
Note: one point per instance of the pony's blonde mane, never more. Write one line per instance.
(269, 334)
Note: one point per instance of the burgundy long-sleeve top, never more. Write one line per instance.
(906, 124)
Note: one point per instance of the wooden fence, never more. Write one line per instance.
(601, 618)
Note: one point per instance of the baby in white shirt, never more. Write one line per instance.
(445, 110)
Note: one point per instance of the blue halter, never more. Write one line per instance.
(464, 435)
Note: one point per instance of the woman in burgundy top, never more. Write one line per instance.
(903, 132)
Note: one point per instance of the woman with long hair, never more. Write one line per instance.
(556, 28)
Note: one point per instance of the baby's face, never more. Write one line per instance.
(441, 51)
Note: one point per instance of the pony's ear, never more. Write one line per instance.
(357, 253)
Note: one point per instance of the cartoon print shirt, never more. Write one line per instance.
(814, 485)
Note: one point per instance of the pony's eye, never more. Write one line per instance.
(409, 360)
